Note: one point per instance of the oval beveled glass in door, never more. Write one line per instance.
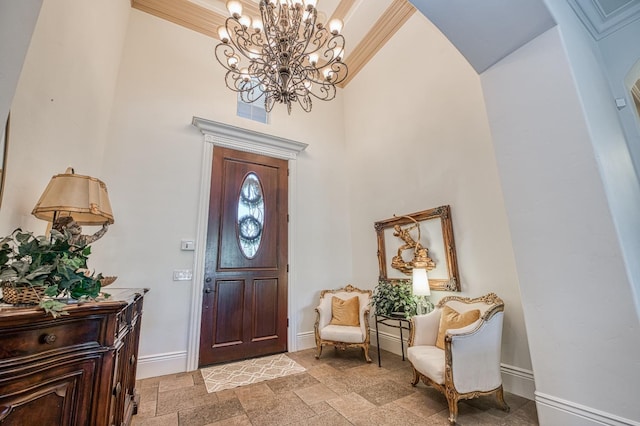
(250, 215)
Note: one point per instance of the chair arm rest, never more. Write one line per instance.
(474, 352)
(424, 329)
(364, 321)
(323, 317)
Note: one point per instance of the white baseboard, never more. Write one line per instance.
(518, 381)
(558, 411)
(161, 364)
(391, 343)
(306, 340)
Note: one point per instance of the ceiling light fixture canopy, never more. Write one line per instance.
(284, 55)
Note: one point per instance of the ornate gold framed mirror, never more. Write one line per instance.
(395, 241)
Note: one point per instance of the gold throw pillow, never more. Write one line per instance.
(451, 318)
(345, 312)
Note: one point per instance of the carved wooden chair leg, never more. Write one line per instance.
(453, 411)
(366, 353)
(452, 401)
(319, 349)
(500, 397)
(416, 377)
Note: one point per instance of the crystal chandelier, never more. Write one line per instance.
(284, 55)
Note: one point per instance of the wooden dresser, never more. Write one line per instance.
(77, 369)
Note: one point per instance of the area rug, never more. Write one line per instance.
(227, 376)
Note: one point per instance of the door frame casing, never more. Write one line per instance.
(224, 135)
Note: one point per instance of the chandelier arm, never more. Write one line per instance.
(305, 103)
(309, 31)
(237, 33)
(246, 89)
(258, 70)
(315, 39)
(227, 52)
(325, 92)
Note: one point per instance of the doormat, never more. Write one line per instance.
(227, 376)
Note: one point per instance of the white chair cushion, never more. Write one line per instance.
(342, 333)
(428, 360)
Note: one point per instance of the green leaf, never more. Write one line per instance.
(51, 291)
(53, 307)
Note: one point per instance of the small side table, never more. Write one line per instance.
(400, 322)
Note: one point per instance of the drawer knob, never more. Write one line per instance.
(117, 389)
(49, 338)
(132, 360)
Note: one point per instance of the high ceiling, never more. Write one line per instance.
(368, 24)
(483, 31)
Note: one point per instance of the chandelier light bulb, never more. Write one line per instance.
(245, 21)
(244, 74)
(311, 3)
(257, 25)
(233, 61)
(297, 3)
(335, 26)
(235, 8)
(313, 59)
(338, 53)
(223, 34)
(328, 74)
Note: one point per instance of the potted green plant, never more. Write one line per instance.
(42, 270)
(394, 298)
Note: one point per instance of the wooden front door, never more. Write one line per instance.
(244, 305)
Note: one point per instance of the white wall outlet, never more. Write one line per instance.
(188, 245)
(182, 274)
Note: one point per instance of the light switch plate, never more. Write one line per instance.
(188, 245)
(182, 274)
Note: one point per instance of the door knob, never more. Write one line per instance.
(207, 280)
(207, 290)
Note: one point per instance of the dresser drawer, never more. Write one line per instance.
(24, 341)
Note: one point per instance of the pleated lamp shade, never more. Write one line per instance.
(83, 197)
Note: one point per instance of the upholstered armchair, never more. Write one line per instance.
(456, 349)
(342, 319)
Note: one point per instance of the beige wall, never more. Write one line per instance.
(423, 141)
(62, 104)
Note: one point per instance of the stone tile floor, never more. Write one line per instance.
(338, 389)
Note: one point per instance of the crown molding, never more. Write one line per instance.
(600, 21)
(196, 16)
(183, 13)
(385, 27)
